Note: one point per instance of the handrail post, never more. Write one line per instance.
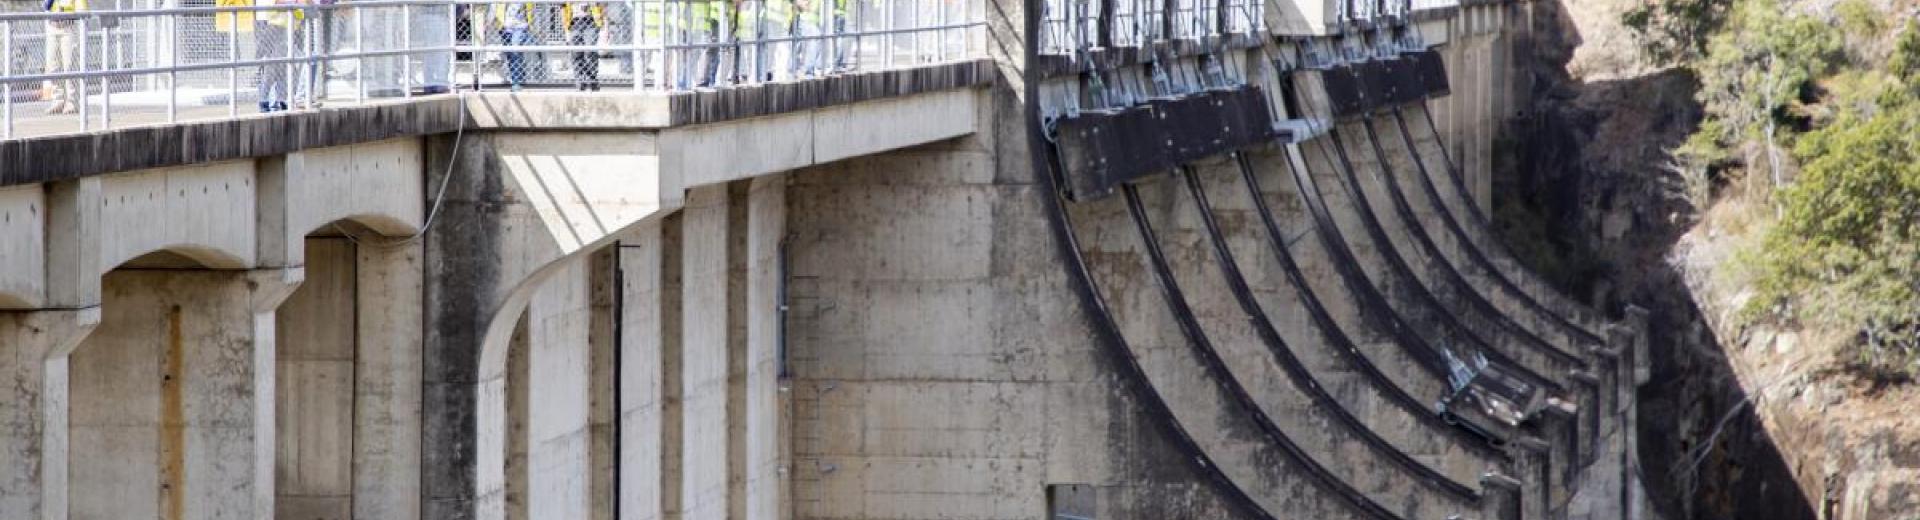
(6, 87)
(233, 67)
(106, 81)
(406, 46)
(85, 30)
(172, 31)
(360, 62)
(292, 76)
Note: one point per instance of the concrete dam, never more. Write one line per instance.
(770, 259)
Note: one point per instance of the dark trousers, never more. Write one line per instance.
(586, 64)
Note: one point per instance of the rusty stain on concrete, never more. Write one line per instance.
(173, 441)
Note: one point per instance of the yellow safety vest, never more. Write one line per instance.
(746, 26)
(702, 14)
(593, 9)
(279, 18)
(230, 21)
(68, 6)
(500, 13)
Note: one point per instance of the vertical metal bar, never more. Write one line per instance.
(85, 33)
(292, 76)
(859, 23)
(940, 35)
(888, 8)
(406, 44)
(480, 36)
(233, 70)
(106, 81)
(360, 62)
(759, 40)
(171, 32)
(6, 71)
(636, 21)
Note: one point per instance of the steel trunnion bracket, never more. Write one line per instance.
(1102, 149)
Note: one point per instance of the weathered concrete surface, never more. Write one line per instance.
(1478, 54)
(959, 379)
(707, 154)
(315, 423)
(23, 229)
(34, 412)
(705, 430)
(557, 384)
(387, 379)
(765, 482)
(172, 397)
(349, 383)
(648, 480)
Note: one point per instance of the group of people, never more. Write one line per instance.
(273, 31)
(710, 42)
(709, 32)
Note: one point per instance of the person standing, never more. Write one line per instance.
(584, 21)
(515, 20)
(277, 34)
(63, 47)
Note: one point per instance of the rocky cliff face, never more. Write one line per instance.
(1589, 192)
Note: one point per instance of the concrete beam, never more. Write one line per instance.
(23, 229)
(73, 156)
(696, 156)
(203, 212)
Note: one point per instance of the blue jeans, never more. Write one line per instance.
(516, 61)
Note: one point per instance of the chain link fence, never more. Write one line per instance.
(81, 65)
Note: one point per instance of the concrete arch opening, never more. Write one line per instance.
(348, 371)
(167, 396)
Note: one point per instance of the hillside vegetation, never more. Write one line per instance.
(1809, 158)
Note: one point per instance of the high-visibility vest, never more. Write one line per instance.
(230, 21)
(701, 15)
(279, 17)
(653, 19)
(500, 14)
(594, 10)
(67, 6)
(747, 23)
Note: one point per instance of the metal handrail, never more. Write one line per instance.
(324, 56)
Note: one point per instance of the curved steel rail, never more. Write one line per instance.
(1223, 377)
(1578, 311)
(1397, 268)
(1450, 275)
(1342, 345)
(1475, 256)
(1297, 374)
